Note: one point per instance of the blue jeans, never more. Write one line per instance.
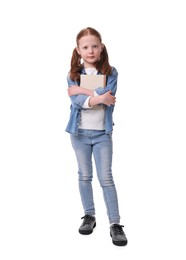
(98, 144)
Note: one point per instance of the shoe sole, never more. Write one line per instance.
(119, 243)
(87, 232)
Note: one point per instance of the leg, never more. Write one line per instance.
(83, 151)
(103, 150)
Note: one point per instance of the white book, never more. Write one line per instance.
(92, 82)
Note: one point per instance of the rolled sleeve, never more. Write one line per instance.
(86, 103)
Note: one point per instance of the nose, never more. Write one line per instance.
(90, 50)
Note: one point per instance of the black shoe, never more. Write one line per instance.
(118, 235)
(88, 225)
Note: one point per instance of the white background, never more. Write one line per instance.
(40, 209)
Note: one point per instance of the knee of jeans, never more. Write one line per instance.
(106, 182)
(85, 177)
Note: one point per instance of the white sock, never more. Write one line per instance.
(112, 224)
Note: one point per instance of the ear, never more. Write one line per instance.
(77, 49)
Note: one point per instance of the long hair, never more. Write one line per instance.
(102, 65)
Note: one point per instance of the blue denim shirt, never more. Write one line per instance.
(77, 102)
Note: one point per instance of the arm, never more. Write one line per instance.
(106, 98)
(76, 90)
(111, 83)
(77, 100)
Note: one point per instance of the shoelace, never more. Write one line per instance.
(117, 229)
(87, 220)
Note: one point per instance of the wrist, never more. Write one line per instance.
(101, 99)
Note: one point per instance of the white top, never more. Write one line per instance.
(91, 118)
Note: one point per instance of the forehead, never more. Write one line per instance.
(88, 39)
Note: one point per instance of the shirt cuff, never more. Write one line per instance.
(95, 94)
(86, 103)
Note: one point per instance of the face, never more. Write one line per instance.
(89, 48)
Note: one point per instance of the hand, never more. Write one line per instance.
(108, 98)
(73, 90)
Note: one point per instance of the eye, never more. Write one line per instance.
(95, 46)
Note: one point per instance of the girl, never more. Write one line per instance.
(91, 129)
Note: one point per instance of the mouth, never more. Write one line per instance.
(90, 57)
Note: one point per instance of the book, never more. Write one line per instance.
(92, 82)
